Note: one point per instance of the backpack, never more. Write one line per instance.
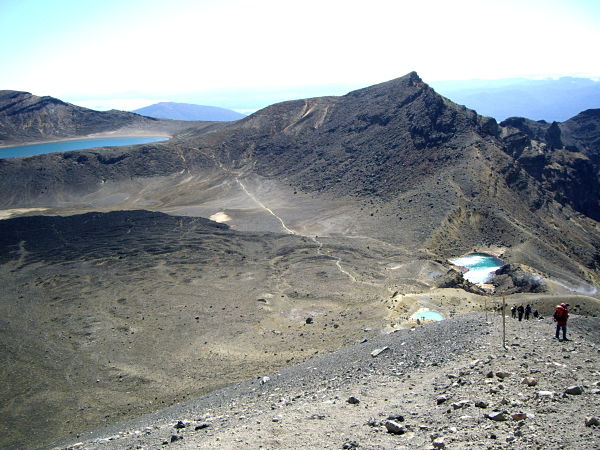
(560, 313)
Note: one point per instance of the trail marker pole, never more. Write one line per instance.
(485, 307)
(503, 321)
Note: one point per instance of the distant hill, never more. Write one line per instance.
(550, 100)
(25, 117)
(188, 111)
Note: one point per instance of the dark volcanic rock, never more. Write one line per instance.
(363, 143)
(121, 232)
(512, 279)
(455, 279)
(565, 157)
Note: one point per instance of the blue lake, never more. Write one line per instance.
(481, 266)
(78, 144)
(427, 315)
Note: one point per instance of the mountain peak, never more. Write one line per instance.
(391, 87)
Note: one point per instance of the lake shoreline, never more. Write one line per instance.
(91, 136)
(87, 143)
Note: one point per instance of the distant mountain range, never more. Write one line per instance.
(550, 100)
(188, 111)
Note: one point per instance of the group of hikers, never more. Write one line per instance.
(561, 315)
(524, 311)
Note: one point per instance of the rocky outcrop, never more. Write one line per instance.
(455, 279)
(513, 279)
(568, 167)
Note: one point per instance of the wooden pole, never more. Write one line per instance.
(503, 322)
(485, 307)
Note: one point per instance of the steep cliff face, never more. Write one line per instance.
(582, 132)
(564, 158)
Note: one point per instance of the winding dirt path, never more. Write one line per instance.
(338, 260)
(263, 206)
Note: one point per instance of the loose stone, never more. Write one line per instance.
(394, 427)
(529, 381)
(396, 417)
(544, 394)
(378, 351)
(574, 390)
(592, 421)
(353, 400)
(439, 443)
(441, 399)
(497, 416)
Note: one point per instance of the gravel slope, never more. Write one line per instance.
(460, 360)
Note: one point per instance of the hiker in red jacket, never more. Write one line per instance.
(561, 315)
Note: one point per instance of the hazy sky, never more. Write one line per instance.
(128, 53)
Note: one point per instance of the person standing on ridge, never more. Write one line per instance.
(561, 315)
(527, 311)
(513, 311)
(520, 310)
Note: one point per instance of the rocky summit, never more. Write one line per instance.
(137, 278)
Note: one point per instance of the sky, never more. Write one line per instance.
(246, 54)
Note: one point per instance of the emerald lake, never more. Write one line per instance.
(76, 144)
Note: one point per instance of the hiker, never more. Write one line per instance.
(527, 311)
(536, 314)
(520, 310)
(513, 311)
(561, 315)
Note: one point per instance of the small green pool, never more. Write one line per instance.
(427, 315)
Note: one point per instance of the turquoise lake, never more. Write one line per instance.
(481, 266)
(427, 315)
(78, 144)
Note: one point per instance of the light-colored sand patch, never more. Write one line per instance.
(220, 217)
(8, 213)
